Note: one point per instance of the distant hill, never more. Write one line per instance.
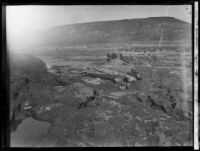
(117, 31)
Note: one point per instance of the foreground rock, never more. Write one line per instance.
(30, 84)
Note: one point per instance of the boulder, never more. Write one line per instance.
(81, 91)
(79, 95)
(30, 85)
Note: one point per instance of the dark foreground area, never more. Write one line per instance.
(76, 109)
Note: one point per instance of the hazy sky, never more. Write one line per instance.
(27, 17)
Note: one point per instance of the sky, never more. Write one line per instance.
(32, 18)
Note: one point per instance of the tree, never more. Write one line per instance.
(114, 55)
(121, 56)
(108, 56)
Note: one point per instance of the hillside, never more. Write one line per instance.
(118, 31)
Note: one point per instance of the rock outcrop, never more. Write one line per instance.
(30, 83)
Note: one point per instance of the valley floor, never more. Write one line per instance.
(68, 109)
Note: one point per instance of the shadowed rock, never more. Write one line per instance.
(29, 83)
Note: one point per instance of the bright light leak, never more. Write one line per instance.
(25, 18)
(18, 18)
(21, 23)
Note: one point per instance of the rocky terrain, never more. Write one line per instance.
(85, 110)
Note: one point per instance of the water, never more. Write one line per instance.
(50, 61)
(30, 133)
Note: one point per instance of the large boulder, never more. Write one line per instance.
(23, 69)
(78, 95)
(29, 83)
